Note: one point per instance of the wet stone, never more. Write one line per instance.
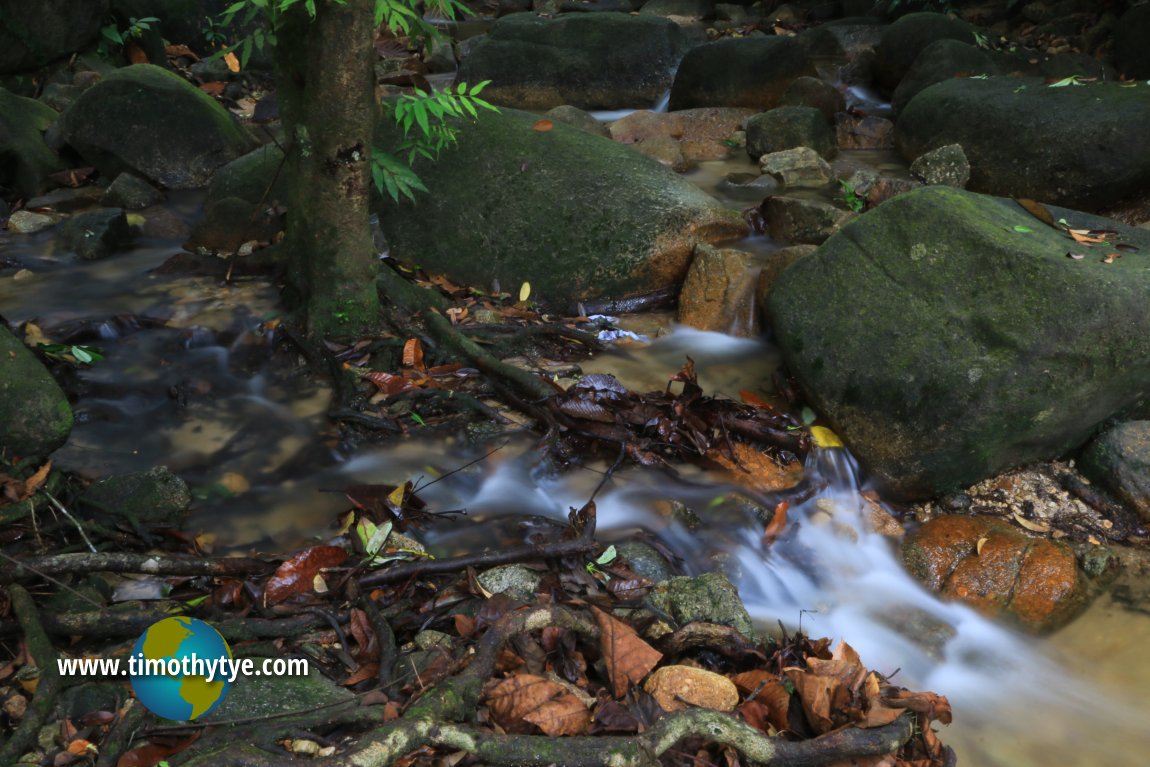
(152, 498)
(709, 598)
(945, 165)
(866, 132)
(801, 221)
(798, 167)
(1119, 460)
(96, 234)
(719, 291)
(1000, 571)
(131, 192)
(27, 222)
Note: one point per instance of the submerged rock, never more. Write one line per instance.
(1083, 146)
(947, 336)
(1001, 571)
(97, 233)
(152, 498)
(578, 216)
(587, 60)
(147, 120)
(35, 417)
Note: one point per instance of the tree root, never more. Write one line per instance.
(40, 649)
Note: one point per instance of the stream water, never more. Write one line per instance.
(191, 381)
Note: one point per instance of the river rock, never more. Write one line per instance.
(709, 598)
(578, 118)
(943, 344)
(1119, 460)
(1131, 53)
(149, 121)
(96, 234)
(864, 132)
(719, 292)
(1026, 139)
(787, 128)
(30, 222)
(257, 177)
(25, 160)
(580, 217)
(945, 165)
(665, 150)
(687, 10)
(152, 498)
(131, 192)
(941, 60)
(35, 417)
(751, 72)
(33, 34)
(774, 265)
(816, 93)
(798, 220)
(587, 60)
(798, 167)
(703, 134)
(1000, 571)
(906, 38)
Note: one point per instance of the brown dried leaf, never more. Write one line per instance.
(932, 706)
(627, 656)
(778, 522)
(1036, 209)
(676, 687)
(542, 126)
(519, 698)
(746, 465)
(564, 714)
(364, 672)
(296, 575)
(136, 54)
(413, 354)
(1084, 236)
(765, 689)
(1111, 258)
(232, 62)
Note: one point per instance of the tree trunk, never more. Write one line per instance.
(326, 96)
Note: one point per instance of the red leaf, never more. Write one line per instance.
(296, 575)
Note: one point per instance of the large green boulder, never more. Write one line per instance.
(34, 33)
(947, 336)
(1083, 146)
(587, 60)
(35, 417)
(25, 160)
(941, 60)
(906, 38)
(749, 72)
(149, 121)
(578, 216)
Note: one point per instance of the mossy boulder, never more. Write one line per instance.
(751, 72)
(939, 61)
(789, 127)
(578, 216)
(1082, 146)
(149, 121)
(947, 336)
(25, 160)
(33, 34)
(587, 60)
(906, 38)
(35, 417)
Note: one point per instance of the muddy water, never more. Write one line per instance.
(192, 381)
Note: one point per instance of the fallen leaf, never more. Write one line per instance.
(296, 575)
(778, 522)
(542, 126)
(538, 701)
(1036, 209)
(824, 437)
(524, 292)
(1034, 527)
(765, 689)
(136, 54)
(676, 687)
(232, 62)
(628, 658)
(1111, 258)
(413, 354)
(1084, 236)
(1076, 256)
(981, 542)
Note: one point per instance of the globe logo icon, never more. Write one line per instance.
(171, 664)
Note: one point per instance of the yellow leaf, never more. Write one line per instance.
(524, 291)
(232, 62)
(397, 496)
(824, 437)
(978, 546)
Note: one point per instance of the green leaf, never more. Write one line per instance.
(1022, 229)
(81, 354)
(808, 416)
(608, 556)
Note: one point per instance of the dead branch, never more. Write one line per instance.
(40, 649)
(149, 564)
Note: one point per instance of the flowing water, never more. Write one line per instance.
(192, 381)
